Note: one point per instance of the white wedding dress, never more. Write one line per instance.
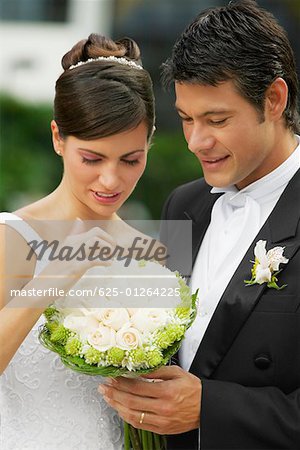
(44, 405)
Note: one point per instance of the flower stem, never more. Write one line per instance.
(134, 437)
(158, 444)
(150, 440)
(126, 436)
(144, 440)
(164, 442)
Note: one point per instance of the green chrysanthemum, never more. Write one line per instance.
(138, 356)
(60, 334)
(169, 335)
(154, 357)
(183, 312)
(115, 356)
(93, 356)
(73, 346)
(52, 326)
(50, 312)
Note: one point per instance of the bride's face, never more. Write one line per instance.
(102, 173)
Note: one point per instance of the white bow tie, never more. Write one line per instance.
(233, 220)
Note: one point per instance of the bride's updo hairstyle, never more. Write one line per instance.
(103, 97)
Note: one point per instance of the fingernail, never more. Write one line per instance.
(110, 381)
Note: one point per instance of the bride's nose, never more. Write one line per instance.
(109, 178)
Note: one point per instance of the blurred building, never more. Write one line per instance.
(34, 34)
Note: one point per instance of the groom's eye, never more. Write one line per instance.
(219, 122)
(186, 119)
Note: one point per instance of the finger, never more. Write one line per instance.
(138, 387)
(80, 228)
(151, 421)
(101, 248)
(101, 234)
(165, 373)
(131, 401)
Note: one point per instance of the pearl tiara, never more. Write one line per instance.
(124, 61)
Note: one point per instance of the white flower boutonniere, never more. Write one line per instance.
(266, 265)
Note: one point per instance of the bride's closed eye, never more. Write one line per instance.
(130, 162)
(90, 160)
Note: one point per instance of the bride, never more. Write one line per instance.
(102, 127)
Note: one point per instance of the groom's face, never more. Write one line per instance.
(234, 144)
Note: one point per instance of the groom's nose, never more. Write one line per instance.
(200, 139)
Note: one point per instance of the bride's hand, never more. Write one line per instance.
(73, 258)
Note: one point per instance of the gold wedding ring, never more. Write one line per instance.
(142, 417)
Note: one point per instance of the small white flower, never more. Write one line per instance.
(128, 337)
(261, 253)
(266, 264)
(263, 275)
(102, 339)
(275, 257)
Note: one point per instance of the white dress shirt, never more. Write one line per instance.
(236, 218)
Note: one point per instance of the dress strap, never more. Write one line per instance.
(28, 233)
(20, 225)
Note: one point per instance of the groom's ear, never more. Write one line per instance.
(58, 141)
(276, 99)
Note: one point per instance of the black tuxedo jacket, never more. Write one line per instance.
(249, 358)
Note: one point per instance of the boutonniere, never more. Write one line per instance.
(266, 265)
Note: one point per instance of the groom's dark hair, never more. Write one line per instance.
(240, 42)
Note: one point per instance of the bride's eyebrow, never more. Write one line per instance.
(105, 156)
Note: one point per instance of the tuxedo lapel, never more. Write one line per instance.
(238, 299)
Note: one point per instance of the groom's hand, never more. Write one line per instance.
(170, 405)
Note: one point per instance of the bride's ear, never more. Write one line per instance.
(58, 142)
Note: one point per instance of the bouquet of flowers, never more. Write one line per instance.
(116, 340)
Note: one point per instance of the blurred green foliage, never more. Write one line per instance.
(28, 165)
(30, 169)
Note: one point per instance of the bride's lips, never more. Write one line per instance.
(214, 163)
(106, 198)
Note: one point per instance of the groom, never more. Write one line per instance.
(238, 386)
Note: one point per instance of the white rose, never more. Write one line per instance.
(132, 311)
(80, 324)
(102, 339)
(128, 338)
(113, 317)
(149, 319)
